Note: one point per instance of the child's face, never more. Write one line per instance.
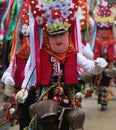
(59, 43)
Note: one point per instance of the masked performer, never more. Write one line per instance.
(104, 14)
(55, 42)
(14, 75)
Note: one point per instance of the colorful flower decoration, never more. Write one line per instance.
(104, 11)
(54, 15)
(25, 30)
(25, 18)
(82, 13)
(25, 12)
(104, 15)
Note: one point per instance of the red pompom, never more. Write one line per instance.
(56, 98)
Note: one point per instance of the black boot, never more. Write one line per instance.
(103, 108)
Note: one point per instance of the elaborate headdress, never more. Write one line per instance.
(55, 16)
(104, 15)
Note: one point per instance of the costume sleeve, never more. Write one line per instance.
(8, 71)
(88, 65)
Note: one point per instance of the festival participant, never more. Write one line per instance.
(55, 43)
(14, 75)
(104, 15)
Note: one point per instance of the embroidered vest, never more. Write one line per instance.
(69, 69)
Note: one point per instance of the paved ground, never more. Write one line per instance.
(99, 120)
(95, 119)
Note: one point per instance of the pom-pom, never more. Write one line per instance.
(12, 111)
(5, 106)
(57, 99)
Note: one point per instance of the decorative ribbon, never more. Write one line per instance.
(2, 32)
(37, 51)
(94, 36)
(8, 15)
(14, 21)
(15, 35)
(2, 26)
(13, 49)
(30, 68)
(76, 35)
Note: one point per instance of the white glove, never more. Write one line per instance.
(9, 81)
(21, 95)
(100, 63)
